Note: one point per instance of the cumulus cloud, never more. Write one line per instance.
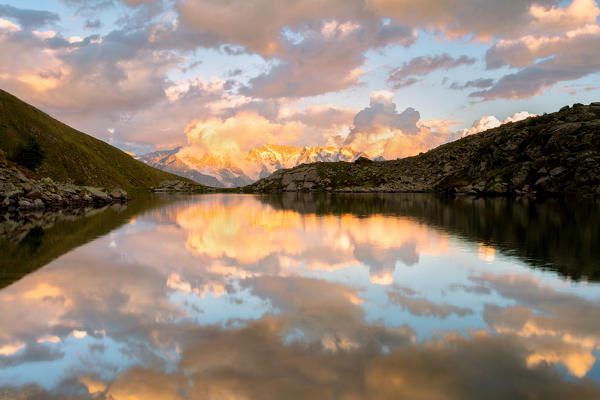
(424, 65)
(558, 19)
(322, 116)
(490, 121)
(380, 129)
(237, 134)
(382, 113)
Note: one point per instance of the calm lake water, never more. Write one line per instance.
(304, 296)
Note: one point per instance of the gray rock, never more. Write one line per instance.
(25, 204)
(98, 195)
(557, 171)
(118, 194)
(38, 203)
(34, 195)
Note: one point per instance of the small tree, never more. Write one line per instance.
(29, 154)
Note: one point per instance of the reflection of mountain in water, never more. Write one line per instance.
(560, 235)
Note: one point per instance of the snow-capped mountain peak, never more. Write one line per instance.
(220, 170)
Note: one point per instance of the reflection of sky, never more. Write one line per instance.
(200, 273)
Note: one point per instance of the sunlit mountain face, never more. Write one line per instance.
(292, 296)
(224, 170)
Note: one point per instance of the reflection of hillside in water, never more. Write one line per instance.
(30, 241)
(561, 235)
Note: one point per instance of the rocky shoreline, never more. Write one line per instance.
(20, 193)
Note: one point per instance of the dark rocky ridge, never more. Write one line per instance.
(553, 154)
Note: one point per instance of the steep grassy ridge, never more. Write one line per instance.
(52, 149)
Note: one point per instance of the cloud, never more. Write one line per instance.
(380, 129)
(557, 327)
(29, 19)
(382, 113)
(544, 61)
(424, 65)
(558, 19)
(481, 83)
(322, 116)
(93, 24)
(236, 135)
(324, 60)
(490, 121)
(258, 25)
(458, 18)
(315, 49)
(422, 307)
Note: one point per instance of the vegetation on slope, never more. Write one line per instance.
(49, 148)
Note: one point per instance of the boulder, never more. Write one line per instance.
(34, 195)
(119, 194)
(98, 195)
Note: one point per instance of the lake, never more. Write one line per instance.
(303, 296)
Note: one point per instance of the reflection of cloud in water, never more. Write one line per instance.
(556, 327)
(423, 307)
(246, 231)
(315, 337)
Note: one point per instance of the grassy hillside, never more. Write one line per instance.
(52, 149)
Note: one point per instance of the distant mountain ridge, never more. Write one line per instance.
(222, 171)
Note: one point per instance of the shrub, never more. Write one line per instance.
(29, 154)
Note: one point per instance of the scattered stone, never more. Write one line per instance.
(17, 192)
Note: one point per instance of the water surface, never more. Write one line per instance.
(304, 296)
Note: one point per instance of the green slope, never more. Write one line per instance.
(67, 153)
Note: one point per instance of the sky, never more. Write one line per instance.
(387, 77)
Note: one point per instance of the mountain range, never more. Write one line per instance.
(223, 171)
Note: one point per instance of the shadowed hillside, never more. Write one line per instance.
(553, 154)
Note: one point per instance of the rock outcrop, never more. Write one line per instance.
(550, 155)
(180, 187)
(20, 193)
